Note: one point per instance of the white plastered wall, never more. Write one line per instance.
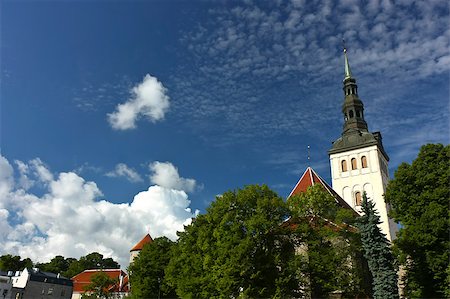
(372, 180)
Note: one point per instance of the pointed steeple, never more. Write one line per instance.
(348, 72)
(353, 107)
(355, 133)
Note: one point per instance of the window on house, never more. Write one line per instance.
(343, 166)
(353, 163)
(364, 162)
(358, 200)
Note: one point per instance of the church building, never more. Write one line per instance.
(358, 161)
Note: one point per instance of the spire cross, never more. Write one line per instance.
(348, 72)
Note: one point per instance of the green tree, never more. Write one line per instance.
(233, 250)
(93, 260)
(147, 270)
(419, 197)
(10, 262)
(100, 286)
(329, 246)
(378, 253)
(58, 264)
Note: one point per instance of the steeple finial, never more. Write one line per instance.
(348, 72)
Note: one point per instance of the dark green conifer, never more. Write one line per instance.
(378, 253)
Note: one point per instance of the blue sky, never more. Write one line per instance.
(123, 117)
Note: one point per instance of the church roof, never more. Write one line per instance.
(311, 178)
(145, 240)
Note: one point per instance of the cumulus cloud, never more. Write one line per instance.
(122, 170)
(149, 100)
(69, 219)
(165, 174)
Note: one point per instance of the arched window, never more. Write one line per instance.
(353, 163)
(358, 114)
(350, 113)
(363, 162)
(358, 199)
(344, 166)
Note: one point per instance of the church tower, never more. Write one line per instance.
(358, 160)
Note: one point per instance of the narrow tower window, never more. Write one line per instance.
(350, 113)
(344, 166)
(358, 198)
(358, 114)
(353, 163)
(364, 162)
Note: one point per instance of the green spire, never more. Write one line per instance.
(348, 72)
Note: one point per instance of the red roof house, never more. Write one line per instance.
(82, 280)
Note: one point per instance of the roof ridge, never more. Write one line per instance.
(298, 182)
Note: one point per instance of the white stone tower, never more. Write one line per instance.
(358, 160)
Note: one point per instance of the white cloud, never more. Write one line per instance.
(69, 220)
(149, 100)
(122, 170)
(6, 178)
(24, 170)
(41, 170)
(165, 174)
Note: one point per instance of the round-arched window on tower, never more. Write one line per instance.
(358, 199)
(350, 114)
(353, 163)
(363, 162)
(343, 166)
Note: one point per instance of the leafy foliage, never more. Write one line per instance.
(69, 267)
(378, 253)
(147, 275)
(99, 286)
(330, 246)
(14, 263)
(93, 260)
(58, 264)
(232, 250)
(419, 197)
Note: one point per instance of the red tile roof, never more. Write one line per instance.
(309, 179)
(80, 281)
(146, 240)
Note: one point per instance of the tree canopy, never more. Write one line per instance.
(14, 263)
(68, 267)
(233, 249)
(99, 286)
(332, 257)
(147, 272)
(419, 197)
(252, 244)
